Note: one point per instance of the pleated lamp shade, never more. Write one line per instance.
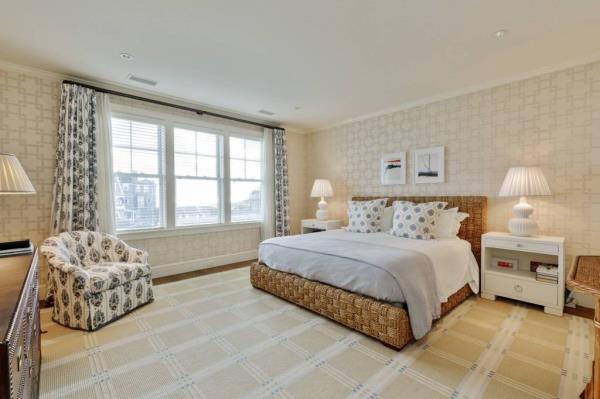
(524, 181)
(13, 179)
(322, 188)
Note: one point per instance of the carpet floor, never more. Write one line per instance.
(217, 337)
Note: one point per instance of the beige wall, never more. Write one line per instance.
(552, 121)
(29, 109)
(296, 175)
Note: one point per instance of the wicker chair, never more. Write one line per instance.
(95, 278)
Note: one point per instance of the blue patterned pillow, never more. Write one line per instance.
(416, 220)
(365, 216)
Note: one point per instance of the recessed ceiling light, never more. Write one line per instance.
(266, 112)
(500, 33)
(126, 56)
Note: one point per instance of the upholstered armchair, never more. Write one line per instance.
(95, 278)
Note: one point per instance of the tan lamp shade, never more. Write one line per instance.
(13, 179)
(322, 188)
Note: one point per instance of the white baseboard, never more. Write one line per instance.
(585, 300)
(169, 269)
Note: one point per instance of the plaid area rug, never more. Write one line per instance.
(217, 337)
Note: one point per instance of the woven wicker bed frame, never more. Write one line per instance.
(387, 323)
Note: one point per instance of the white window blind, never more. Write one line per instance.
(138, 174)
(245, 169)
(171, 173)
(198, 177)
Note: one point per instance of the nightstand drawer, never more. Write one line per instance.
(315, 225)
(537, 247)
(532, 291)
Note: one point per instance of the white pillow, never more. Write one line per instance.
(365, 216)
(448, 223)
(416, 220)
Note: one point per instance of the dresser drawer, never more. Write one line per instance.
(537, 247)
(22, 340)
(512, 287)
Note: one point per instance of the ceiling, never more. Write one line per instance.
(335, 59)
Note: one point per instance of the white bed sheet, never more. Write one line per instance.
(452, 260)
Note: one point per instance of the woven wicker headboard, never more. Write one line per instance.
(471, 229)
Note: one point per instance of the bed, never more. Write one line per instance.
(381, 318)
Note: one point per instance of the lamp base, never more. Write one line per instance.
(322, 212)
(520, 225)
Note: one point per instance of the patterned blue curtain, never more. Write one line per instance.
(282, 219)
(74, 205)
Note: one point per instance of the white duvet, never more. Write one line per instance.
(452, 260)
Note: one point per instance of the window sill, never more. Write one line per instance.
(184, 231)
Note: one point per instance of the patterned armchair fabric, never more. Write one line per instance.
(95, 278)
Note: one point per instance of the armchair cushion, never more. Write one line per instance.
(106, 276)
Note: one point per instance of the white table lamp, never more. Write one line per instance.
(13, 179)
(322, 188)
(523, 181)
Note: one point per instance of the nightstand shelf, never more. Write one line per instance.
(521, 283)
(522, 274)
(316, 225)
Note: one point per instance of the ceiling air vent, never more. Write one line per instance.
(266, 112)
(141, 80)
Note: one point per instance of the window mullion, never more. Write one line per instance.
(130, 146)
(224, 182)
(170, 176)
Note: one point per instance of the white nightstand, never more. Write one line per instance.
(315, 225)
(521, 283)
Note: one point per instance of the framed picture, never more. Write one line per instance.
(393, 168)
(429, 165)
(505, 263)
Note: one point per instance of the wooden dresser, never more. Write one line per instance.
(20, 354)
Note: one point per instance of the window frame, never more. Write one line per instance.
(170, 122)
(262, 165)
(162, 170)
(220, 177)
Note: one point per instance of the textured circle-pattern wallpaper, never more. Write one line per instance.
(29, 110)
(551, 120)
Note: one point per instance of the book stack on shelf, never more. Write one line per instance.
(547, 273)
(16, 248)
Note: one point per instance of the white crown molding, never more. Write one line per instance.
(456, 93)
(294, 130)
(11, 66)
(110, 85)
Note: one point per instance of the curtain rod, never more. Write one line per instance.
(166, 104)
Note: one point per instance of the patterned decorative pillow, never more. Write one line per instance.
(365, 216)
(416, 220)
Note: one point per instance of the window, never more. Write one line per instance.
(245, 168)
(198, 177)
(170, 175)
(138, 174)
